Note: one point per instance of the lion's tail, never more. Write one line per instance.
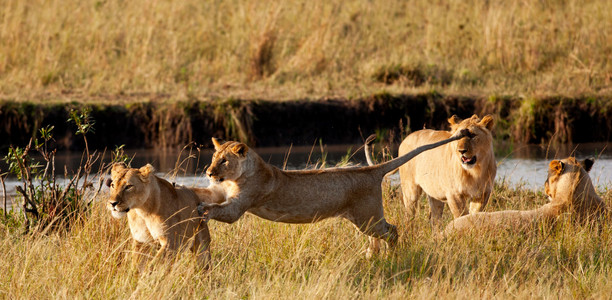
(397, 162)
(367, 147)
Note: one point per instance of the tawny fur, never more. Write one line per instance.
(456, 173)
(569, 189)
(159, 211)
(304, 196)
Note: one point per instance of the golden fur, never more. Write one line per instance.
(303, 196)
(456, 173)
(158, 211)
(569, 189)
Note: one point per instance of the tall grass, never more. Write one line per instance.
(258, 259)
(276, 49)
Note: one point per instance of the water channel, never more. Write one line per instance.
(524, 166)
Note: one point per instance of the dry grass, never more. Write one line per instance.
(258, 259)
(288, 50)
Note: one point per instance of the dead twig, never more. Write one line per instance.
(26, 209)
(100, 184)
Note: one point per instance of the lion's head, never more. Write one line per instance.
(566, 176)
(228, 161)
(477, 145)
(127, 188)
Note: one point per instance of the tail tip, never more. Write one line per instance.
(370, 139)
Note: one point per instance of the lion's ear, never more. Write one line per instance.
(217, 143)
(240, 150)
(587, 164)
(454, 120)
(487, 121)
(146, 171)
(556, 166)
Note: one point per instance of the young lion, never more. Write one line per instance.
(303, 196)
(455, 173)
(569, 189)
(158, 211)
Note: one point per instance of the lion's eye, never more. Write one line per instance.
(223, 161)
(128, 187)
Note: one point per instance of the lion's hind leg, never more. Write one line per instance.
(377, 228)
(378, 231)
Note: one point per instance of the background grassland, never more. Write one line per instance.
(258, 259)
(296, 49)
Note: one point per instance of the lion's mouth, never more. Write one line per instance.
(468, 161)
(115, 209)
(117, 214)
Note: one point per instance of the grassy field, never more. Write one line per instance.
(258, 259)
(128, 50)
(124, 51)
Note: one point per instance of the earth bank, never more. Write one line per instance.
(154, 123)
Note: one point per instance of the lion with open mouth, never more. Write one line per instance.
(457, 173)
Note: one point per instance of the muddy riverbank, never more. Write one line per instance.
(166, 123)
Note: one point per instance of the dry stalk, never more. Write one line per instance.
(3, 192)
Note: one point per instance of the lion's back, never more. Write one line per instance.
(184, 206)
(420, 138)
(176, 209)
(491, 222)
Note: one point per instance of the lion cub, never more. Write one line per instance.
(569, 189)
(304, 196)
(158, 211)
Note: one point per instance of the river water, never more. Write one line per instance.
(524, 166)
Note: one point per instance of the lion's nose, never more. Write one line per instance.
(114, 203)
(462, 151)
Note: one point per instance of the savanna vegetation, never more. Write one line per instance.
(258, 259)
(62, 243)
(134, 50)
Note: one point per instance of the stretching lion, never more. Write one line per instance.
(158, 211)
(456, 173)
(569, 189)
(303, 196)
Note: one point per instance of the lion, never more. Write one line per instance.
(569, 189)
(302, 196)
(158, 211)
(456, 173)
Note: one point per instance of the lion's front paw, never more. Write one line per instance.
(204, 210)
